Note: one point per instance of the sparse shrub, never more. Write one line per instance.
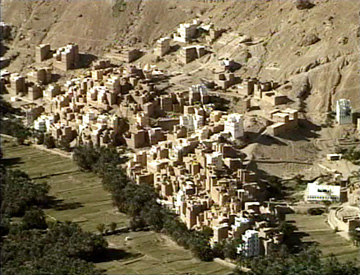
(101, 228)
(112, 226)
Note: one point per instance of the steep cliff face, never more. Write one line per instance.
(96, 24)
(317, 46)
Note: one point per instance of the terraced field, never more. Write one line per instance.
(80, 196)
(154, 253)
(314, 230)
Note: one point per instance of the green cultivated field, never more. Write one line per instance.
(317, 231)
(154, 253)
(84, 201)
(81, 197)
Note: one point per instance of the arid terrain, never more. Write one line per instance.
(139, 122)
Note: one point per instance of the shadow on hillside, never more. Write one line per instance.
(113, 254)
(174, 48)
(305, 131)
(221, 104)
(263, 139)
(86, 59)
(11, 161)
(3, 49)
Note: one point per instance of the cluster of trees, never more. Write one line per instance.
(351, 154)
(10, 122)
(139, 202)
(18, 195)
(307, 262)
(28, 244)
(61, 249)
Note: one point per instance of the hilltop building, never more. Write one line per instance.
(163, 46)
(343, 111)
(67, 58)
(186, 31)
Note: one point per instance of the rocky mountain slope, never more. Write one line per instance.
(316, 49)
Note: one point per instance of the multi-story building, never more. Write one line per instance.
(186, 31)
(214, 159)
(66, 58)
(234, 125)
(163, 46)
(250, 247)
(343, 111)
(317, 193)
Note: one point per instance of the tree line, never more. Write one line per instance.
(30, 244)
(140, 203)
(307, 262)
(11, 123)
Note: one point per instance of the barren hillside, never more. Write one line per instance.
(318, 46)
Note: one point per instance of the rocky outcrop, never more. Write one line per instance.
(309, 39)
(303, 4)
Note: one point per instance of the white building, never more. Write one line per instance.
(40, 125)
(215, 159)
(234, 125)
(241, 221)
(192, 122)
(186, 31)
(250, 247)
(43, 122)
(88, 117)
(317, 193)
(343, 111)
(187, 121)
